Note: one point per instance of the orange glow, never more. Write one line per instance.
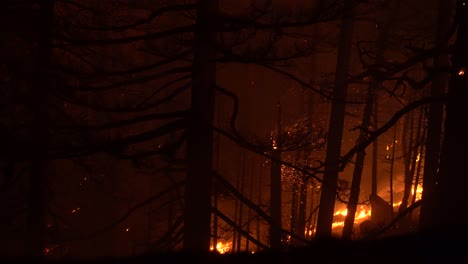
(461, 72)
(419, 191)
(127, 229)
(47, 251)
(361, 214)
(222, 247)
(343, 212)
(273, 141)
(75, 210)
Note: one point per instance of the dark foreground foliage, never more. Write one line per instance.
(418, 248)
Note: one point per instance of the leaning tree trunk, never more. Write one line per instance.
(199, 133)
(366, 123)
(358, 167)
(428, 212)
(37, 194)
(335, 135)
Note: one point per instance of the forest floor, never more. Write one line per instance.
(415, 249)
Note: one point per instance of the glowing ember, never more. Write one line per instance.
(461, 72)
(273, 141)
(222, 247)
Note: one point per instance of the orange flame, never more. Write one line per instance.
(222, 247)
(361, 214)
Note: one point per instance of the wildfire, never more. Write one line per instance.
(361, 214)
(222, 247)
(419, 190)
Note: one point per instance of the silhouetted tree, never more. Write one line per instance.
(330, 178)
(199, 134)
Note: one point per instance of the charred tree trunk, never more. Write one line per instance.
(38, 181)
(294, 207)
(260, 202)
(335, 135)
(301, 214)
(199, 133)
(294, 199)
(358, 167)
(241, 207)
(375, 148)
(414, 150)
(275, 189)
(392, 165)
(453, 180)
(366, 124)
(418, 170)
(429, 203)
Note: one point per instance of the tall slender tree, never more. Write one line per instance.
(428, 215)
(452, 179)
(335, 134)
(39, 86)
(197, 210)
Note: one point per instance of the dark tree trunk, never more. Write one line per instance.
(392, 166)
(375, 147)
(429, 205)
(199, 133)
(295, 199)
(241, 207)
(453, 179)
(301, 216)
(275, 189)
(418, 170)
(366, 123)
(37, 194)
(294, 206)
(358, 167)
(335, 134)
(413, 152)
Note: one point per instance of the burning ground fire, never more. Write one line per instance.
(222, 247)
(362, 213)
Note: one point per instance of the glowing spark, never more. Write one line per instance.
(127, 229)
(461, 72)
